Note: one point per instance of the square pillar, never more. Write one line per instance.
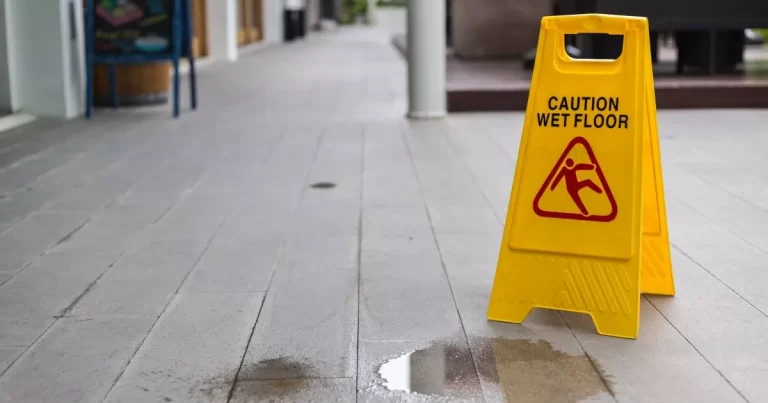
(46, 56)
(222, 29)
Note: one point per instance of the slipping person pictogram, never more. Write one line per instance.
(572, 183)
(566, 172)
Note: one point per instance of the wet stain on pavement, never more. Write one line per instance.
(442, 369)
(277, 368)
(532, 371)
(323, 185)
(524, 370)
(285, 379)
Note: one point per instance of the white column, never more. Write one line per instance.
(222, 29)
(46, 57)
(371, 13)
(426, 59)
(273, 20)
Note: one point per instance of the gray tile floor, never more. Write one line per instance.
(151, 259)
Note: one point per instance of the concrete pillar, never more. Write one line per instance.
(6, 100)
(426, 59)
(222, 29)
(273, 20)
(370, 15)
(46, 56)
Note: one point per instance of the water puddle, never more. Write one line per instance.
(439, 370)
(514, 370)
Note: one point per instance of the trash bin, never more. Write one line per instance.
(301, 23)
(293, 19)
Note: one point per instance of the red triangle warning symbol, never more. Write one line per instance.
(576, 188)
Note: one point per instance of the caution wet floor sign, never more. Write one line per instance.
(586, 228)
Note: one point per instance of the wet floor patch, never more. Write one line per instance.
(277, 368)
(533, 371)
(524, 370)
(285, 379)
(323, 185)
(439, 370)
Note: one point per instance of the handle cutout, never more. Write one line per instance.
(593, 46)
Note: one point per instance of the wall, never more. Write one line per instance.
(46, 62)
(273, 21)
(496, 28)
(222, 24)
(6, 105)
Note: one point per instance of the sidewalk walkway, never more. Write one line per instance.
(203, 259)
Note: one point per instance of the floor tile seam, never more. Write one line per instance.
(208, 165)
(265, 159)
(157, 317)
(306, 180)
(76, 157)
(197, 142)
(103, 141)
(86, 317)
(82, 225)
(718, 279)
(732, 194)
(48, 248)
(748, 242)
(112, 167)
(361, 210)
(160, 316)
(27, 349)
(704, 357)
(64, 312)
(49, 148)
(414, 171)
(592, 362)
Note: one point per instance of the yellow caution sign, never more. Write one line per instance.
(586, 229)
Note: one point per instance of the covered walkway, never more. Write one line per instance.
(296, 236)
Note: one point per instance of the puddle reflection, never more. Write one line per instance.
(440, 370)
(522, 370)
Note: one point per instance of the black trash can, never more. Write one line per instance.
(301, 23)
(289, 28)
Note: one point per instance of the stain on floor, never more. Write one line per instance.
(277, 368)
(524, 370)
(533, 371)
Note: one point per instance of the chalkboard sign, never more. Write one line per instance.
(138, 31)
(133, 26)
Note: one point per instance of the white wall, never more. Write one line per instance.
(5, 81)
(222, 29)
(273, 21)
(46, 63)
